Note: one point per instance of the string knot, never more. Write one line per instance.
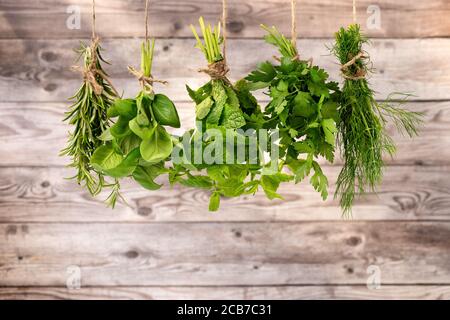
(359, 73)
(90, 72)
(217, 70)
(144, 80)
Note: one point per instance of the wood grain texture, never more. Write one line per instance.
(231, 293)
(45, 18)
(225, 253)
(43, 195)
(39, 70)
(32, 134)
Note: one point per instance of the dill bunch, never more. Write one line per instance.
(88, 117)
(362, 133)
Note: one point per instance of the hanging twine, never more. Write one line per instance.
(354, 11)
(294, 22)
(90, 72)
(145, 81)
(219, 70)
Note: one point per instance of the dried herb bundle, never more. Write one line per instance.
(303, 107)
(362, 127)
(88, 116)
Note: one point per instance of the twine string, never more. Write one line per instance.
(294, 22)
(224, 28)
(354, 11)
(93, 20)
(359, 74)
(146, 20)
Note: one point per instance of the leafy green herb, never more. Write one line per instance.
(137, 145)
(362, 132)
(303, 107)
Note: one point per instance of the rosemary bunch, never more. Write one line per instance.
(362, 131)
(88, 116)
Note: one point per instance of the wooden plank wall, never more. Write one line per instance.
(165, 244)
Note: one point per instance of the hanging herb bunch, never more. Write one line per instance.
(362, 130)
(303, 107)
(137, 145)
(88, 116)
(223, 106)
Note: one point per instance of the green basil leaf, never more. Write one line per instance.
(158, 147)
(143, 132)
(105, 157)
(126, 167)
(145, 177)
(165, 112)
(123, 107)
(121, 128)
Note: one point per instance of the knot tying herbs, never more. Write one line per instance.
(217, 70)
(360, 73)
(143, 79)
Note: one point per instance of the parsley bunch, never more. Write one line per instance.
(362, 132)
(303, 108)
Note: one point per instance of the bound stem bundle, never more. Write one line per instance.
(362, 131)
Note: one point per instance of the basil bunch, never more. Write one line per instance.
(137, 145)
(303, 107)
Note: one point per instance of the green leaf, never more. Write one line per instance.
(319, 181)
(106, 135)
(218, 93)
(201, 182)
(329, 110)
(165, 112)
(270, 185)
(105, 157)
(129, 143)
(233, 118)
(301, 169)
(145, 176)
(265, 73)
(126, 108)
(329, 128)
(143, 132)
(158, 147)
(215, 114)
(304, 105)
(121, 128)
(203, 109)
(214, 202)
(126, 167)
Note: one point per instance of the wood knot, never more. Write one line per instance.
(353, 241)
(132, 254)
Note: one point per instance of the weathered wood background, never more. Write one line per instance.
(165, 244)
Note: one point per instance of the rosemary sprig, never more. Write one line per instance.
(88, 116)
(362, 131)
